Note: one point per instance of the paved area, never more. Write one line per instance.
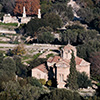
(33, 47)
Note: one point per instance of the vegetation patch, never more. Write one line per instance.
(9, 24)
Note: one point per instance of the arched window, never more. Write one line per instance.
(61, 77)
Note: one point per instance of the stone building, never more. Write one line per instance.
(25, 8)
(58, 67)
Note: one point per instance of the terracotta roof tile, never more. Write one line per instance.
(78, 60)
(50, 59)
(42, 68)
(69, 47)
(55, 59)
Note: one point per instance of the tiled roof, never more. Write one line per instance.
(67, 61)
(69, 47)
(55, 59)
(78, 60)
(50, 59)
(42, 68)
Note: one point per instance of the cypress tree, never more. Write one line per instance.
(72, 79)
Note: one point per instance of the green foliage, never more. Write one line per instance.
(9, 24)
(86, 14)
(5, 76)
(19, 50)
(72, 78)
(42, 81)
(1, 57)
(36, 55)
(50, 19)
(94, 98)
(53, 20)
(34, 25)
(21, 69)
(36, 62)
(68, 35)
(95, 61)
(64, 12)
(9, 65)
(34, 82)
(78, 36)
(45, 37)
(22, 82)
(82, 80)
(62, 94)
(8, 6)
(85, 50)
(45, 7)
(50, 55)
(13, 91)
(96, 23)
(29, 92)
(43, 29)
(85, 3)
(75, 27)
(49, 82)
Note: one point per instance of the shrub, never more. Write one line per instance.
(42, 81)
(19, 50)
(50, 55)
(49, 83)
(33, 82)
(62, 94)
(82, 80)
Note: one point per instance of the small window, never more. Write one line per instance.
(61, 77)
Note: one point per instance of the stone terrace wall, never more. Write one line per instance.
(46, 45)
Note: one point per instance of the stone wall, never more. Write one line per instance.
(46, 45)
(39, 74)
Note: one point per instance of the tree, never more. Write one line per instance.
(85, 3)
(44, 34)
(34, 82)
(11, 91)
(95, 65)
(8, 6)
(21, 69)
(19, 50)
(42, 81)
(72, 78)
(9, 65)
(84, 51)
(34, 63)
(49, 83)
(96, 23)
(1, 58)
(30, 92)
(61, 94)
(5, 76)
(53, 20)
(86, 14)
(63, 11)
(69, 35)
(33, 26)
(82, 80)
(45, 37)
